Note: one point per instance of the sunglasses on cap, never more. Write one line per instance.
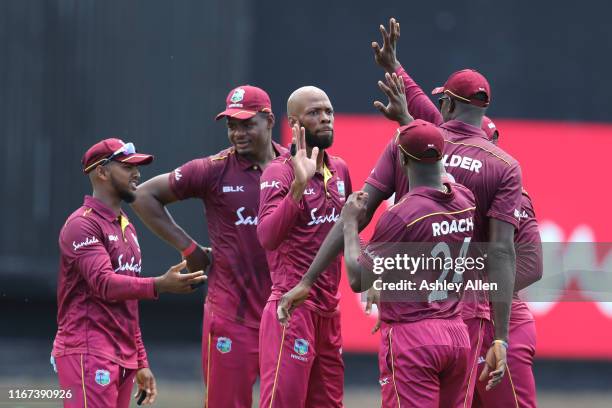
(124, 150)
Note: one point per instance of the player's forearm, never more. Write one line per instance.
(329, 250)
(297, 190)
(352, 251)
(158, 219)
(392, 67)
(331, 247)
(97, 271)
(275, 221)
(360, 278)
(419, 104)
(501, 265)
(115, 287)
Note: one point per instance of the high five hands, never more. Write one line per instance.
(386, 56)
(397, 107)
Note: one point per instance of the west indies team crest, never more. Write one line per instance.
(341, 190)
(224, 345)
(238, 95)
(102, 377)
(300, 346)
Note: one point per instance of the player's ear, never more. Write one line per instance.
(293, 121)
(402, 158)
(101, 172)
(271, 120)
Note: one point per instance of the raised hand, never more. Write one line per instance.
(386, 56)
(304, 167)
(397, 108)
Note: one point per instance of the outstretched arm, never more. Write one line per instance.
(329, 250)
(334, 242)
(360, 278)
(93, 263)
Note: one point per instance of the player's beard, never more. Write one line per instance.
(322, 142)
(127, 196)
(124, 194)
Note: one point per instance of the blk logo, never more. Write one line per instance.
(270, 184)
(233, 189)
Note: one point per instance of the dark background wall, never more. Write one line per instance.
(156, 72)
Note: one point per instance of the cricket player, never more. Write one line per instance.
(424, 351)
(301, 199)
(98, 351)
(239, 285)
(490, 173)
(517, 389)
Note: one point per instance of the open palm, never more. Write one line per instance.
(304, 167)
(386, 57)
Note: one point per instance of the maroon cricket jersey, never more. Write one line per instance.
(490, 173)
(472, 160)
(528, 257)
(496, 181)
(99, 285)
(527, 262)
(292, 232)
(424, 215)
(228, 185)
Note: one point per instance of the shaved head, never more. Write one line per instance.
(299, 97)
(311, 108)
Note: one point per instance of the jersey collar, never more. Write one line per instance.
(102, 209)
(248, 165)
(463, 129)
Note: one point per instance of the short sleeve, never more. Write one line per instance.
(506, 204)
(191, 180)
(382, 176)
(389, 229)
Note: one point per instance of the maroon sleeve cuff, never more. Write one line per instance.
(154, 294)
(273, 227)
(147, 289)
